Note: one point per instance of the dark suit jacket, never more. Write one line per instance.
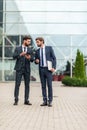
(50, 56)
(20, 60)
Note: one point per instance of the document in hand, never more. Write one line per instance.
(49, 63)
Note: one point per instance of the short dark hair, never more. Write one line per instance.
(26, 37)
(40, 39)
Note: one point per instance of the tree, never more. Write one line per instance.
(79, 66)
(67, 71)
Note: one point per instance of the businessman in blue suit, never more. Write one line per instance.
(43, 55)
(22, 55)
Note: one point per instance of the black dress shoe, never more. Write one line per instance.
(44, 104)
(15, 103)
(27, 103)
(49, 104)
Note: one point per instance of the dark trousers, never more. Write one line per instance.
(26, 76)
(46, 77)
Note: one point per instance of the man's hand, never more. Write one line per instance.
(23, 54)
(28, 57)
(37, 61)
(52, 70)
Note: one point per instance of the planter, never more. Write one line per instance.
(55, 77)
(60, 77)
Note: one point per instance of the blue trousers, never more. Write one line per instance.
(46, 78)
(26, 76)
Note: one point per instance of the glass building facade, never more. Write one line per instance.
(62, 23)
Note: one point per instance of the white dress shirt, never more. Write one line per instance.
(23, 48)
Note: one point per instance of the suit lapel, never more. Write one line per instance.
(21, 48)
(46, 49)
(39, 53)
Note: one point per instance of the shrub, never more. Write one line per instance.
(68, 81)
(79, 66)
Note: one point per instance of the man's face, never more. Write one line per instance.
(27, 42)
(39, 43)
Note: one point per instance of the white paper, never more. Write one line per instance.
(49, 63)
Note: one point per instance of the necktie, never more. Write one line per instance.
(42, 61)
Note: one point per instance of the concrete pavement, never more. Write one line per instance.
(69, 111)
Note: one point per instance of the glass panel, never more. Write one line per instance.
(47, 5)
(9, 75)
(58, 40)
(79, 40)
(46, 29)
(9, 51)
(46, 17)
(1, 13)
(9, 70)
(0, 70)
(16, 29)
(12, 40)
(1, 5)
(13, 17)
(0, 51)
(10, 44)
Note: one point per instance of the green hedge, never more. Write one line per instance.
(68, 81)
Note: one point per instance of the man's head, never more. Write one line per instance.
(39, 41)
(26, 40)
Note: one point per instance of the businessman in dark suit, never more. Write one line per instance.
(22, 54)
(43, 55)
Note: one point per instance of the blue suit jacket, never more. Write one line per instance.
(20, 60)
(50, 56)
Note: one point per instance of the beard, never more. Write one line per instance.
(39, 45)
(27, 44)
